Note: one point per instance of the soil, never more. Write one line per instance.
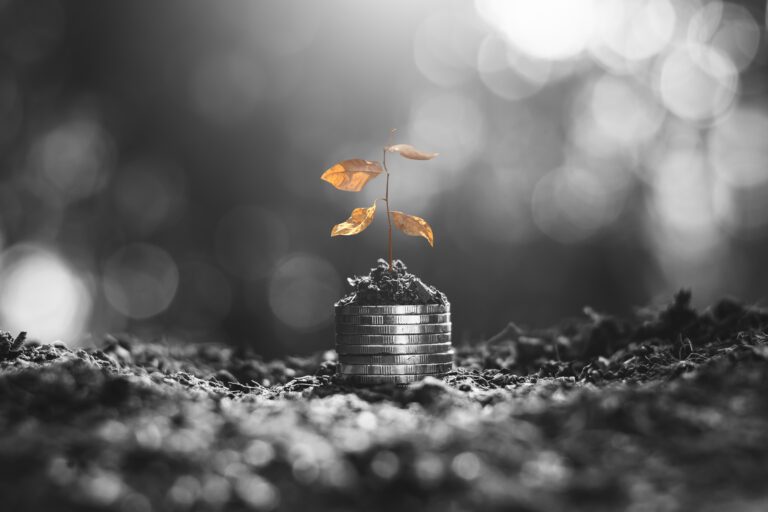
(396, 286)
(664, 411)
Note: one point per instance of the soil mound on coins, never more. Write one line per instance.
(382, 286)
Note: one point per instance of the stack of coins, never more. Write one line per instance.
(393, 344)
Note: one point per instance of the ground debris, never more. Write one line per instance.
(665, 411)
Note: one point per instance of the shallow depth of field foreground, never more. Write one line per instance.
(666, 411)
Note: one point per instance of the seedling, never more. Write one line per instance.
(353, 175)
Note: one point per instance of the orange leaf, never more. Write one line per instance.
(359, 220)
(413, 225)
(411, 152)
(352, 175)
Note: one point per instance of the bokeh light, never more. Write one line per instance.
(632, 30)
(571, 204)
(40, 293)
(697, 82)
(140, 280)
(508, 73)
(73, 159)
(682, 196)
(625, 113)
(728, 27)
(445, 45)
(546, 29)
(450, 124)
(302, 291)
(737, 147)
(150, 194)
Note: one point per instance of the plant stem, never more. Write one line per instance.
(389, 215)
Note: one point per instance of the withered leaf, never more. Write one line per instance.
(413, 226)
(360, 219)
(411, 152)
(352, 175)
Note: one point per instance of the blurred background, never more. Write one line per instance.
(160, 161)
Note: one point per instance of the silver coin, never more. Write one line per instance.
(445, 357)
(392, 339)
(415, 309)
(388, 379)
(432, 348)
(393, 329)
(393, 369)
(393, 319)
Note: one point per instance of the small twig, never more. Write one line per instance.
(386, 199)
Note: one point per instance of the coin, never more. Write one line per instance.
(393, 329)
(393, 369)
(431, 348)
(388, 379)
(413, 309)
(392, 339)
(393, 319)
(444, 357)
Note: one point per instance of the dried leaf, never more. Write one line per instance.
(352, 175)
(413, 226)
(411, 152)
(359, 220)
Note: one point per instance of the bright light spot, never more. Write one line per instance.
(546, 29)
(429, 468)
(301, 289)
(728, 27)
(697, 82)
(635, 29)
(40, 294)
(140, 280)
(385, 464)
(467, 466)
(625, 114)
(249, 240)
(508, 73)
(738, 149)
(150, 194)
(444, 47)
(571, 204)
(257, 492)
(227, 88)
(72, 160)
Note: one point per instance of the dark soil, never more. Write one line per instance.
(666, 411)
(396, 286)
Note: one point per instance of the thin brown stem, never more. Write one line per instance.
(389, 214)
